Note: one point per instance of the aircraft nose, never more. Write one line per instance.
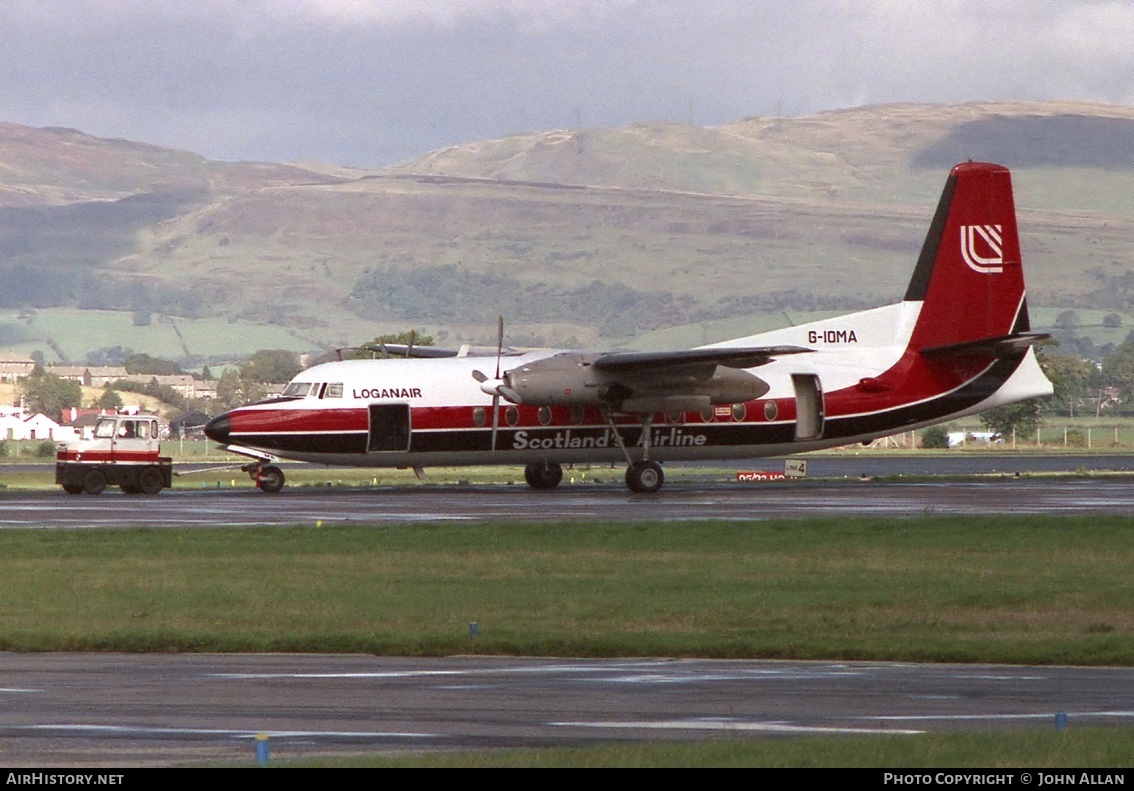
(218, 429)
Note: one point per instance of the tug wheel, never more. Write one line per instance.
(150, 480)
(94, 482)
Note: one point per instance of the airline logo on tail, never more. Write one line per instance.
(982, 247)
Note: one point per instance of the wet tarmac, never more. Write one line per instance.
(136, 710)
(1006, 494)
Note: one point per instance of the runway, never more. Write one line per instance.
(137, 710)
(412, 504)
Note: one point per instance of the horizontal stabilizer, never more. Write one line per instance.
(423, 352)
(1002, 346)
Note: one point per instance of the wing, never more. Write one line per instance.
(643, 382)
(690, 361)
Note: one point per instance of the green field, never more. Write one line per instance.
(1017, 590)
(76, 333)
(1088, 747)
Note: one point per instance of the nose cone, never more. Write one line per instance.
(218, 429)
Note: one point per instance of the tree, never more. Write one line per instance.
(271, 365)
(1022, 417)
(109, 399)
(1112, 320)
(1068, 320)
(1118, 369)
(142, 363)
(1070, 375)
(47, 393)
(935, 437)
(235, 389)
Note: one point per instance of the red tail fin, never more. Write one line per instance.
(969, 277)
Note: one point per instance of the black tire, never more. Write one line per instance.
(151, 480)
(543, 475)
(73, 488)
(270, 479)
(94, 482)
(644, 477)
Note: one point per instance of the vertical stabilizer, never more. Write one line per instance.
(968, 277)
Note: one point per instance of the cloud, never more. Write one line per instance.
(369, 83)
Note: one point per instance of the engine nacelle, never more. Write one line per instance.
(566, 379)
(732, 386)
(570, 379)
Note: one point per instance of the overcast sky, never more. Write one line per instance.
(373, 82)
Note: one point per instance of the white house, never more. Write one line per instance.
(17, 424)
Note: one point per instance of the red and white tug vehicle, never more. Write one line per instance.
(124, 452)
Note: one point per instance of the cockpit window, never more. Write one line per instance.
(297, 390)
(104, 429)
(334, 390)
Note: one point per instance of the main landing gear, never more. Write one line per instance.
(268, 477)
(643, 476)
(543, 475)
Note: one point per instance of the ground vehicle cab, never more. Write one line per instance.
(123, 451)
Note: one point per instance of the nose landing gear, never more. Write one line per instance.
(268, 477)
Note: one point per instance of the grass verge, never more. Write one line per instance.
(998, 589)
(1088, 747)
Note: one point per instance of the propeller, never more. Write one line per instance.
(496, 387)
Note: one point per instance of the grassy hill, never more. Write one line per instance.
(577, 237)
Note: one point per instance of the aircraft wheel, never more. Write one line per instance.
(543, 476)
(150, 480)
(94, 482)
(71, 488)
(644, 477)
(270, 479)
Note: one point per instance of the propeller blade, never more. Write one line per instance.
(477, 375)
(509, 394)
(495, 418)
(499, 342)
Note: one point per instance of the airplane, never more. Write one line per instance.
(957, 344)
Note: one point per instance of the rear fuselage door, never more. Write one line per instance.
(808, 406)
(389, 427)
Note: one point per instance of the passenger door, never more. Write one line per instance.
(389, 428)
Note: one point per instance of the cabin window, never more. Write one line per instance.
(512, 415)
(297, 390)
(334, 390)
(479, 417)
(105, 429)
(577, 415)
(771, 411)
(544, 415)
(143, 429)
(738, 412)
